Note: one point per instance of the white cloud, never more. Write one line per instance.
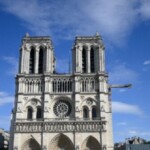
(5, 98)
(133, 132)
(145, 9)
(138, 133)
(3, 93)
(119, 107)
(147, 62)
(13, 62)
(121, 74)
(122, 124)
(122, 90)
(113, 19)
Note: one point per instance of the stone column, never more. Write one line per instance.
(88, 62)
(48, 58)
(80, 58)
(26, 61)
(36, 66)
(77, 59)
(21, 62)
(101, 59)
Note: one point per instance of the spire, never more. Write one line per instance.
(27, 34)
(97, 34)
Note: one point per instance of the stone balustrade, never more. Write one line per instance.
(60, 126)
(36, 84)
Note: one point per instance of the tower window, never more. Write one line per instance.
(84, 60)
(32, 61)
(94, 113)
(85, 113)
(41, 59)
(92, 60)
(30, 113)
(39, 113)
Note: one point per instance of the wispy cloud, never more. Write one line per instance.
(138, 133)
(121, 123)
(147, 62)
(5, 98)
(113, 19)
(119, 107)
(144, 10)
(13, 62)
(122, 74)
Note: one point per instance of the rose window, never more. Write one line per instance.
(62, 108)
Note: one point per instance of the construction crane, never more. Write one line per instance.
(120, 86)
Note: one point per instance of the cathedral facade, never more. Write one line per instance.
(54, 111)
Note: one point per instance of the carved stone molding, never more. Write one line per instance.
(60, 126)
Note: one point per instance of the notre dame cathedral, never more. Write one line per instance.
(55, 111)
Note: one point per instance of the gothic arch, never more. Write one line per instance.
(94, 112)
(32, 60)
(39, 113)
(29, 113)
(90, 143)
(41, 61)
(61, 141)
(85, 112)
(84, 61)
(34, 103)
(92, 59)
(31, 144)
(89, 99)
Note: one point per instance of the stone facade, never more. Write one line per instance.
(55, 111)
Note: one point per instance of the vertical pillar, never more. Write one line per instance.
(48, 62)
(80, 58)
(36, 66)
(101, 59)
(88, 65)
(77, 58)
(26, 61)
(21, 60)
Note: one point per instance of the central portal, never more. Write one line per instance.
(61, 142)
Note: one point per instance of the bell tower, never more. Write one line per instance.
(88, 55)
(36, 55)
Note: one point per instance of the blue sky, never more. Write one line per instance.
(125, 28)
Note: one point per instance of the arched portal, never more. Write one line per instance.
(90, 143)
(31, 144)
(61, 142)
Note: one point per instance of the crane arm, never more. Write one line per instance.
(120, 86)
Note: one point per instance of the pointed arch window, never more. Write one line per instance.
(39, 113)
(32, 60)
(29, 113)
(84, 68)
(94, 113)
(92, 59)
(85, 113)
(41, 59)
